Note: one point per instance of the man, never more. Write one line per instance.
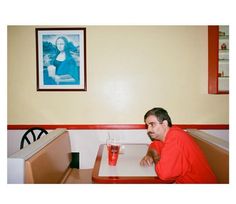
(176, 156)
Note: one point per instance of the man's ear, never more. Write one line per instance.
(165, 122)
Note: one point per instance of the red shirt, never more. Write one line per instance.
(181, 159)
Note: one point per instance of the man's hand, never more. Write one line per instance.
(151, 157)
(146, 161)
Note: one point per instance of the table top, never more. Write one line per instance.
(127, 169)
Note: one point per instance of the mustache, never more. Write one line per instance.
(148, 133)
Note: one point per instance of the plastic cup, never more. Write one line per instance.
(113, 153)
(51, 71)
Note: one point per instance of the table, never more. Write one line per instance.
(127, 169)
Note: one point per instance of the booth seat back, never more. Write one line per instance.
(51, 163)
(46, 160)
(216, 153)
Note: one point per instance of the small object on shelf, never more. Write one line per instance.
(223, 46)
(221, 33)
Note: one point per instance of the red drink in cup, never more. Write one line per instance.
(113, 152)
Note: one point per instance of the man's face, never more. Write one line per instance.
(155, 129)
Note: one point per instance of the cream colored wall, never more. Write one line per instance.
(130, 69)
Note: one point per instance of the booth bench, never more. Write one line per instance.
(46, 160)
(216, 151)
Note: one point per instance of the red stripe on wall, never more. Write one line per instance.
(115, 126)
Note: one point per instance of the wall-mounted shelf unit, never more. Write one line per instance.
(218, 59)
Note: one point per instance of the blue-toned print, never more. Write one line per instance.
(61, 60)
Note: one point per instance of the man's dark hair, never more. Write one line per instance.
(161, 115)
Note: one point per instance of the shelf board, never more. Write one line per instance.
(225, 37)
(226, 50)
(223, 77)
(223, 60)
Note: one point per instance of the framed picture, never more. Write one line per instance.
(61, 59)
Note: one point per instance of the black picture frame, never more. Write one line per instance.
(61, 59)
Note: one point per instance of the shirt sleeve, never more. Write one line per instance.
(171, 164)
(157, 145)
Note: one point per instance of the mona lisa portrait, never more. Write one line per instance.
(61, 59)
